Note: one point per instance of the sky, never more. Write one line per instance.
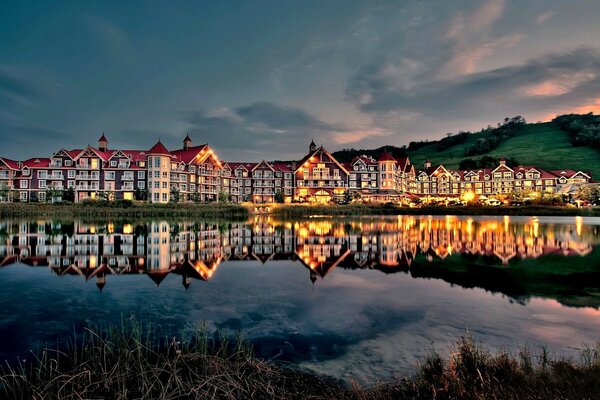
(259, 79)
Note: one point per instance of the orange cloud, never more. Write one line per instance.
(547, 88)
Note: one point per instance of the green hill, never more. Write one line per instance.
(545, 145)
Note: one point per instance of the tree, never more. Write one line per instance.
(4, 193)
(175, 195)
(279, 198)
(53, 195)
(68, 195)
(590, 193)
(223, 197)
(140, 194)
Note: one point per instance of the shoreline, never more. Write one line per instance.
(132, 361)
(245, 211)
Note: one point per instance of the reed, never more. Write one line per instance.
(134, 362)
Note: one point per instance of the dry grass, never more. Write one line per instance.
(126, 363)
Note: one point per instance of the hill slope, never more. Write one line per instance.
(544, 145)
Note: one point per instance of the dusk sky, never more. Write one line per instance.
(259, 79)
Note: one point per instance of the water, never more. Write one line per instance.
(361, 299)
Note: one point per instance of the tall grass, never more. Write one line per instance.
(132, 210)
(128, 362)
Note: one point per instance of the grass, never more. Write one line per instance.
(126, 363)
(133, 210)
(544, 145)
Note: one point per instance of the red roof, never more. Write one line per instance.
(74, 153)
(403, 162)
(283, 167)
(37, 163)
(159, 148)
(236, 165)
(103, 138)
(386, 157)
(188, 155)
(10, 163)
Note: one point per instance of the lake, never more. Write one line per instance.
(353, 298)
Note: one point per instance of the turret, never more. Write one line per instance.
(187, 142)
(102, 143)
(312, 147)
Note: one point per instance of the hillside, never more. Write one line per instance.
(542, 144)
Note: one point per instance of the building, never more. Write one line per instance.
(195, 174)
(319, 177)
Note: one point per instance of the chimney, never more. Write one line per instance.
(427, 164)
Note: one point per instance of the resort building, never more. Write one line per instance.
(195, 174)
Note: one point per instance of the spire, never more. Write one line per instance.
(103, 143)
(312, 147)
(187, 142)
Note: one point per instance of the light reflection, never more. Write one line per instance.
(196, 250)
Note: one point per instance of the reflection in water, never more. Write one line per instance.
(354, 322)
(195, 250)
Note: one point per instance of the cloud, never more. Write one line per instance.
(536, 86)
(25, 85)
(542, 18)
(249, 130)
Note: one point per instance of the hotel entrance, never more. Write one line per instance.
(323, 197)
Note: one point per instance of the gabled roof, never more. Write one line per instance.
(191, 153)
(135, 155)
(364, 159)
(264, 163)
(284, 167)
(68, 153)
(10, 163)
(320, 150)
(386, 157)
(503, 167)
(236, 165)
(37, 163)
(159, 148)
(403, 163)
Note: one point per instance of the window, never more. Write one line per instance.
(42, 174)
(164, 197)
(164, 185)
(141, 185)
(23, 196)
(24, 184)
(156, 162)
(141, 174)
(128, 175)
(42, 184)
(71, 173)
(68, 163)
(26, 172)
(157, 174)
(109, 175)
(157, 185)
(142, 164)
(42, 196)
(113, 163)
(71, 184)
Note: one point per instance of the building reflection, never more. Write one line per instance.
(195, 250)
